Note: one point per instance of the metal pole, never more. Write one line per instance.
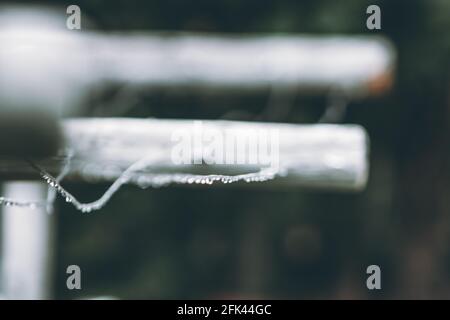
(26, 243)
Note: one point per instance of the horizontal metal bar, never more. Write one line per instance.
(315, 156)
(38, 51)
(349, 63)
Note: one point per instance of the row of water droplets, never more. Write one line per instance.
(164, 179)
(8, 202)
(134, 175)
(51, 195)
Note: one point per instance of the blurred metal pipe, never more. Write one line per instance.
(45, 65)
(26, 243)
(358, 65)
(315, 156)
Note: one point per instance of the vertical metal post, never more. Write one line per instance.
(26, 243)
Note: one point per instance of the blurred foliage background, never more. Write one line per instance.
(198, 242)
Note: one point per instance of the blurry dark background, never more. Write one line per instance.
(198, 242)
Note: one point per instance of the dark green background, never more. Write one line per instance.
(196, 242)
